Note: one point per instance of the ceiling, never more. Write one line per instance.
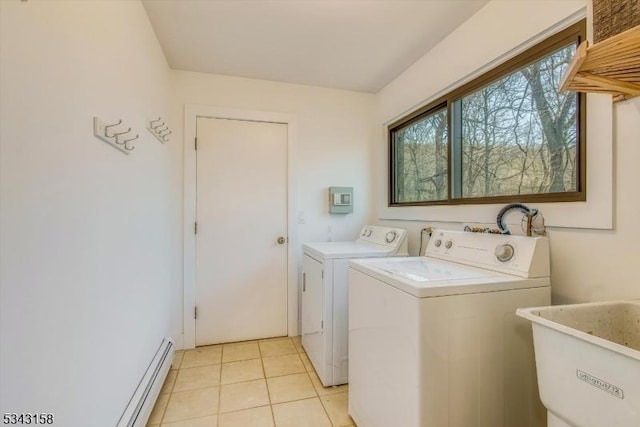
(357, 45)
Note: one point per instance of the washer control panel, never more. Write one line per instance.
(504, 252)
(519, 255)
(390, 236)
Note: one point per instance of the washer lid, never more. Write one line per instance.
(421, 269)
(425, 277)
(355, 249)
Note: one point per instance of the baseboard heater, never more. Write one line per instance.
(139, 408)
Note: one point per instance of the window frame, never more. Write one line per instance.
(575, 33)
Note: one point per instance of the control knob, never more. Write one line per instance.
(391, 236)
(504, 252)
(448, 244)
(437, 243)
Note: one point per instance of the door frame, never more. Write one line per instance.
(191, 114)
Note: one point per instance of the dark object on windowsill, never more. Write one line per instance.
(482, 230)
(531, 214)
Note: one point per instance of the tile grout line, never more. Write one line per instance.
(220, 386)
(321, 385)
(164, 411)
(312, 385)
(320, 397)
(264, 372)
(202, 366)
(240, 382)
(170, 394)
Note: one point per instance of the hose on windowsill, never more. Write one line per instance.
(530, 214)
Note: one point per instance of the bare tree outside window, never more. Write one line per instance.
(508, 135)
(519, 133)
(421, 153)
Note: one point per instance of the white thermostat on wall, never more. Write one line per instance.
(340, 200)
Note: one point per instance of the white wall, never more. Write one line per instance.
(595, 265)
(91, 238)
(587, 264)
(331, 148)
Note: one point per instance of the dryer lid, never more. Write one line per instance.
(357, 249)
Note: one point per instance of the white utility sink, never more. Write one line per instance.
(588, 362)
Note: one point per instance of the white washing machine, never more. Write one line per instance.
(325, 292)
(434, 340)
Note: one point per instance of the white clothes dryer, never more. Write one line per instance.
(435, 341)
(325, 295)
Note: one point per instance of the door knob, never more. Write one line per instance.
(281, 240)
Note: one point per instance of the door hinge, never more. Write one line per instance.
(195, 312)
(195, 145)
(304, 282)
(322, 324)
(323, 274)
(195, 227)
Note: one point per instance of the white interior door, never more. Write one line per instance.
(241, 249)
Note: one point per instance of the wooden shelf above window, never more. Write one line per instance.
(610, 66)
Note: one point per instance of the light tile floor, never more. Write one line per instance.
(263, 383)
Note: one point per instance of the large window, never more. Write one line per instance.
(509, 135)
(421, 158)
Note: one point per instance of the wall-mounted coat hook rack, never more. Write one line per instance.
(126, 141)
(112, 137)
(106, 127)
(117, 134)
(159, 129)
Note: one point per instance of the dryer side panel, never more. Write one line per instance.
(312, 312)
